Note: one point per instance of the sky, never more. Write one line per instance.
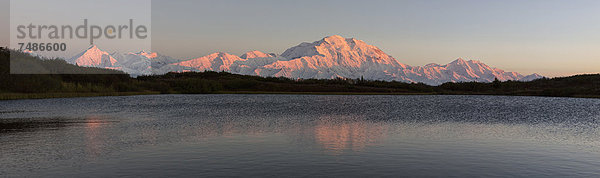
(549, 37)
(4, 22)
(76, 13)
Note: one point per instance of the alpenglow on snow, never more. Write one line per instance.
(329, 58)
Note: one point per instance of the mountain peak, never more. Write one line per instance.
(149, 55)
(334, 38)
(459, 60)
(462, 63)
(93, 48)
(94, 57)
(256, 54)
(333, 45)
(531, 77)
(222, 54)
(430, 65)
(218, 61)
(339, 40)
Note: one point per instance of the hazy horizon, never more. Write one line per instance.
(552, 38)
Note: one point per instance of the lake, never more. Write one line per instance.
(300, 136)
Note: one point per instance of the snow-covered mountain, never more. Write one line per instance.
(93, 57)
(531, 77)
(328, 58)
(460, 71)
(256, 54)
(135, 64)
(146, 63)
(213, 62)
(335, 56)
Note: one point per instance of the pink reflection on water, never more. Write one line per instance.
(338, 136)
(94, 140)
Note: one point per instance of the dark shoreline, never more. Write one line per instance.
(104, 82)
(25, 96)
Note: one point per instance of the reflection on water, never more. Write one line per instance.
(295, 135)
(336, 134)
(51, 123)
(94, 136)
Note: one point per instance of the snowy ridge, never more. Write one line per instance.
(531, 77)
(135, 64)
(213, 62)
(93, 57)
(328, 58)
(256, 54)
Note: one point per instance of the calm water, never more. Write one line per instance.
(296, 135)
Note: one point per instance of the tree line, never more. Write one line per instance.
(95, 80)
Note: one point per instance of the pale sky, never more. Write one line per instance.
(549, 37)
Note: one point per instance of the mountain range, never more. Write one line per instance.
(329, 58)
